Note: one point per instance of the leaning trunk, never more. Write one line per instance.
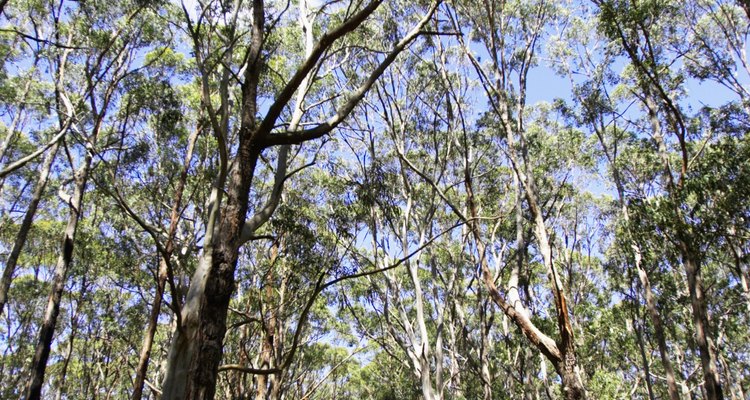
(658, 329)
(644, 358)
(148, 339)
(23, 232)
(61, 386)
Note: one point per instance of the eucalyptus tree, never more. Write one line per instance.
(86, 89)
(281, 313)
(652, 44)
(28, 109)
(716, 54)
(510, 33)
(246, 52)
(304, 200)
(39, 100)
(598, 112)
(412, 307)
(168, 125)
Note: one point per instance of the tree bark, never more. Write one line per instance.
(644, 358)
(643, 277)
(567, 368)
(484, 349)
(196, 348)
(656, 101)
(658, 327)
(561, 354)
(268, 328)
(61, 387)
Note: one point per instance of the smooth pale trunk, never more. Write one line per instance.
(184, 342)
(658, 330)
(197, 345)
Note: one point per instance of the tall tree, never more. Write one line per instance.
(108, 60)
(197, 344)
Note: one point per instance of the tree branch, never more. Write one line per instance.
(297, 137)
(264, 214)
(25, 160)
(325, 42)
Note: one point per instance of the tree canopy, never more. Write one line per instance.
(371, 199)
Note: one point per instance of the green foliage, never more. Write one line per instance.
(627, 160)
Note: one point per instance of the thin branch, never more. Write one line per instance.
(42, 41)
(297, 137)
(319, 288)
(25, 160)
(325, 42)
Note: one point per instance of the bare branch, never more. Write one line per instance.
(25, 160)
(297, 137)
(325, 42)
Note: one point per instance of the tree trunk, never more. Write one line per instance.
(61, 387)
(572, 385)
(562, 354)
(148, 338)
(153, 321)
(423, 350)
(197, 346)
(571, 381)
(658, 327)
(276, 380)
(644, 358)
(196, 349)
(269, 327)
(648, 294)
(700, 323)
(484, 357)
(265, 361)
(46, 334)
(23, 232)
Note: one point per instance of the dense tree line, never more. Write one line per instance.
(374, 199)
